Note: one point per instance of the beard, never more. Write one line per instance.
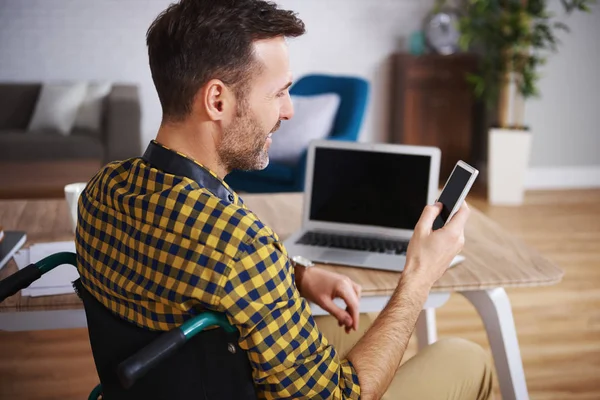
(244, 145)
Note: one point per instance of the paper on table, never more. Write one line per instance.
(35, 292)
(21, 258)
(57, 281)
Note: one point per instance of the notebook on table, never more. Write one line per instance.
(10, 243)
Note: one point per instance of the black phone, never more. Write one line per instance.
(454, 192)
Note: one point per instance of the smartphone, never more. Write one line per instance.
(454, 192)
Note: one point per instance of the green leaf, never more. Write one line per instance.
(439, 4)
(511, 36)
(562, 26)
(535, 7)
(566, 5)
(581, 5)
(478, 84)
(464, 42)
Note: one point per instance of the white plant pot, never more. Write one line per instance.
(508, 159)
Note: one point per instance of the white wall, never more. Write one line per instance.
(565, 120)
(47, 40)
(42, 40)
(356, 37)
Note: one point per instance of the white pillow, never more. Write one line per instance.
(57, 107)
(313, 120)
(89, 115)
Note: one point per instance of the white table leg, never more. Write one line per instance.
(426, 328)
(494, 309)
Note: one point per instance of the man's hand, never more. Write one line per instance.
(378, 353)
(430, 252)
(321, 287)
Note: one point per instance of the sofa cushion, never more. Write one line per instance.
(57, 107)
(313, 120)
(89, 115)
(25, 146)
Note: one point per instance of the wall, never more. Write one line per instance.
(565, 120)
(356, 37)
(105, 39)
(53, 40)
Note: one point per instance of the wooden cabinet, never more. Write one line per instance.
(433, 105)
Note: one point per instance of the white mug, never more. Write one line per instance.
(72, 193)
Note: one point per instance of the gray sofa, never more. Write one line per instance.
(119, 138)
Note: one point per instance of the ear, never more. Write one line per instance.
(217, 100)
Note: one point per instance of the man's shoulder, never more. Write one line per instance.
(112, 173)
(134, 178)
(188, 209)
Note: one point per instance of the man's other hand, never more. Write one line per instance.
(322, 287)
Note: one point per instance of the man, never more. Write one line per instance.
(162, 236)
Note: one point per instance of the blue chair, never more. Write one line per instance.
(276, 177)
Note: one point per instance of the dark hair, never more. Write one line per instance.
(194, 41)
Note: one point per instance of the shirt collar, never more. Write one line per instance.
(175, 163)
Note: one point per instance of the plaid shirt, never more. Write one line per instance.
(161, 238)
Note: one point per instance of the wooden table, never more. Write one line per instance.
(494, 260)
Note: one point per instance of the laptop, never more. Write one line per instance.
(362, 202)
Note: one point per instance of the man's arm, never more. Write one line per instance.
(378, 353)
(321, 287)
(290, 358)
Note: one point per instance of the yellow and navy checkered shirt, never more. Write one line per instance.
(161, 238)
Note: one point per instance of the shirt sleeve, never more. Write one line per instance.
(290, 358)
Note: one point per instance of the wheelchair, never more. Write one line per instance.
(187, 362)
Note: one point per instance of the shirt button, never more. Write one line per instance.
(230, 197)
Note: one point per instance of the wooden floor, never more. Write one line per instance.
(558, 326)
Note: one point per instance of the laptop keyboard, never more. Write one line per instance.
(372, 245)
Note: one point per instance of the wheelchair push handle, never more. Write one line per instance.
(31, 273)
(140, 363)
(18, 281)
(166, 344)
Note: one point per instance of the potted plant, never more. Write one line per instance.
(513, 37)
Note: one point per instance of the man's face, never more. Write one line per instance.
(246, 140)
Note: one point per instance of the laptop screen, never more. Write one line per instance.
(369, 188)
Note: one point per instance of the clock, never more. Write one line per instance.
(441, 31)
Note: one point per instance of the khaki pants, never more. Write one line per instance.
(448, 369)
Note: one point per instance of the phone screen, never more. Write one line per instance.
(451, 193)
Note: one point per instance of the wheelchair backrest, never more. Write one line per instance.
(209, 366)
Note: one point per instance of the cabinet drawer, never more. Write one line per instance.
(434, 71)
